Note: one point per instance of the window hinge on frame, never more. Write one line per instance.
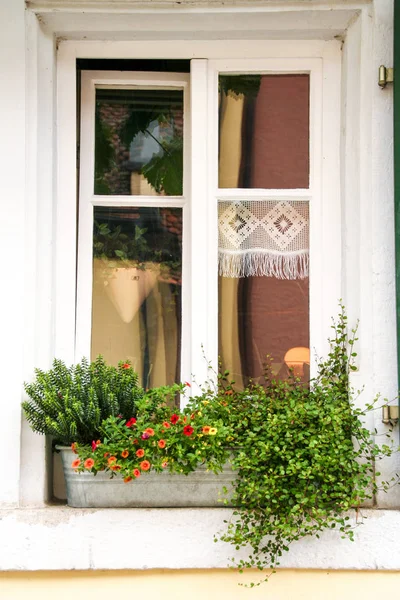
(386, 75)
(390, 414)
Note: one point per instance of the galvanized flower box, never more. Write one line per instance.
(152, 490)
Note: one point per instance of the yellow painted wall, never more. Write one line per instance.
(198, 585)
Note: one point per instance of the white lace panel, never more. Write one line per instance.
(263, 237)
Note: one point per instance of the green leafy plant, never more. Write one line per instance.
(70, 403)
(305, 457)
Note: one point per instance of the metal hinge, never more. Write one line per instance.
(386, 75)
(390, 414)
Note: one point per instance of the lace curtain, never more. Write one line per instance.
(263, 238)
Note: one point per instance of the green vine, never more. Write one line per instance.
(304, 457)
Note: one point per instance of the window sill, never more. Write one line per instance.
(63, 538)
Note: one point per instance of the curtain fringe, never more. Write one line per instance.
(255, 263)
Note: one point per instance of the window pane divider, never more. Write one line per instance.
(262, 194)
(139, 201)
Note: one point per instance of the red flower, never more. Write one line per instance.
(125, 454)
(131, 422)
(94, 445)
(140, 453)
(188, 430)
(145, 465)
(136, 472)
(135, 441)
(88, 464)
(161, 444)
(174, 419)
(75, 463)
(126, 366)
(166, 425)
(188, 384)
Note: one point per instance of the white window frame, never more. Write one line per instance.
(200, 298)
(320, 215)
(90, 80)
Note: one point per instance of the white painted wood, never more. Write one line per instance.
(199, 219)
(325, 242)
(114, 200)
(324, 192)
(90, 80)
(65, 226)
(184, 49)
(239, 194)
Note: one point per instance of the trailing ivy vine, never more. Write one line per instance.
(304, 456)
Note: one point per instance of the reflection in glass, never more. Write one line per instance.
(136, 306)
(262, 317)
(139, 142)
(264, 131)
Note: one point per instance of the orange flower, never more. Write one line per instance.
(228, 393)
(166, 425)
(136, 472)
(125, 454)
(73, 447)
(88, 464)
(140, 453)
(75, 463)
(164, 464)
(111, 460)
(161, 444)
(127, 479)
(145, 465)
(126, 366)
(106, 454)
(149, 430)
(98, 442)
(115, 467)
(206, 429)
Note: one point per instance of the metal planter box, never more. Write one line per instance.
(152, 490)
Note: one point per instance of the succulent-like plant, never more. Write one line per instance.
(70, 403)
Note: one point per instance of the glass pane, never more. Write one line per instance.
(139, 142)
(264, 131)
(137, 274)
(261, 317)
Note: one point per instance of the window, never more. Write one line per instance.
(201, 218)
(132, 201)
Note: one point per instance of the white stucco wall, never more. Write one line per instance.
(28, 244)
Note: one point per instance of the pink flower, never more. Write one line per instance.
(145, 436)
